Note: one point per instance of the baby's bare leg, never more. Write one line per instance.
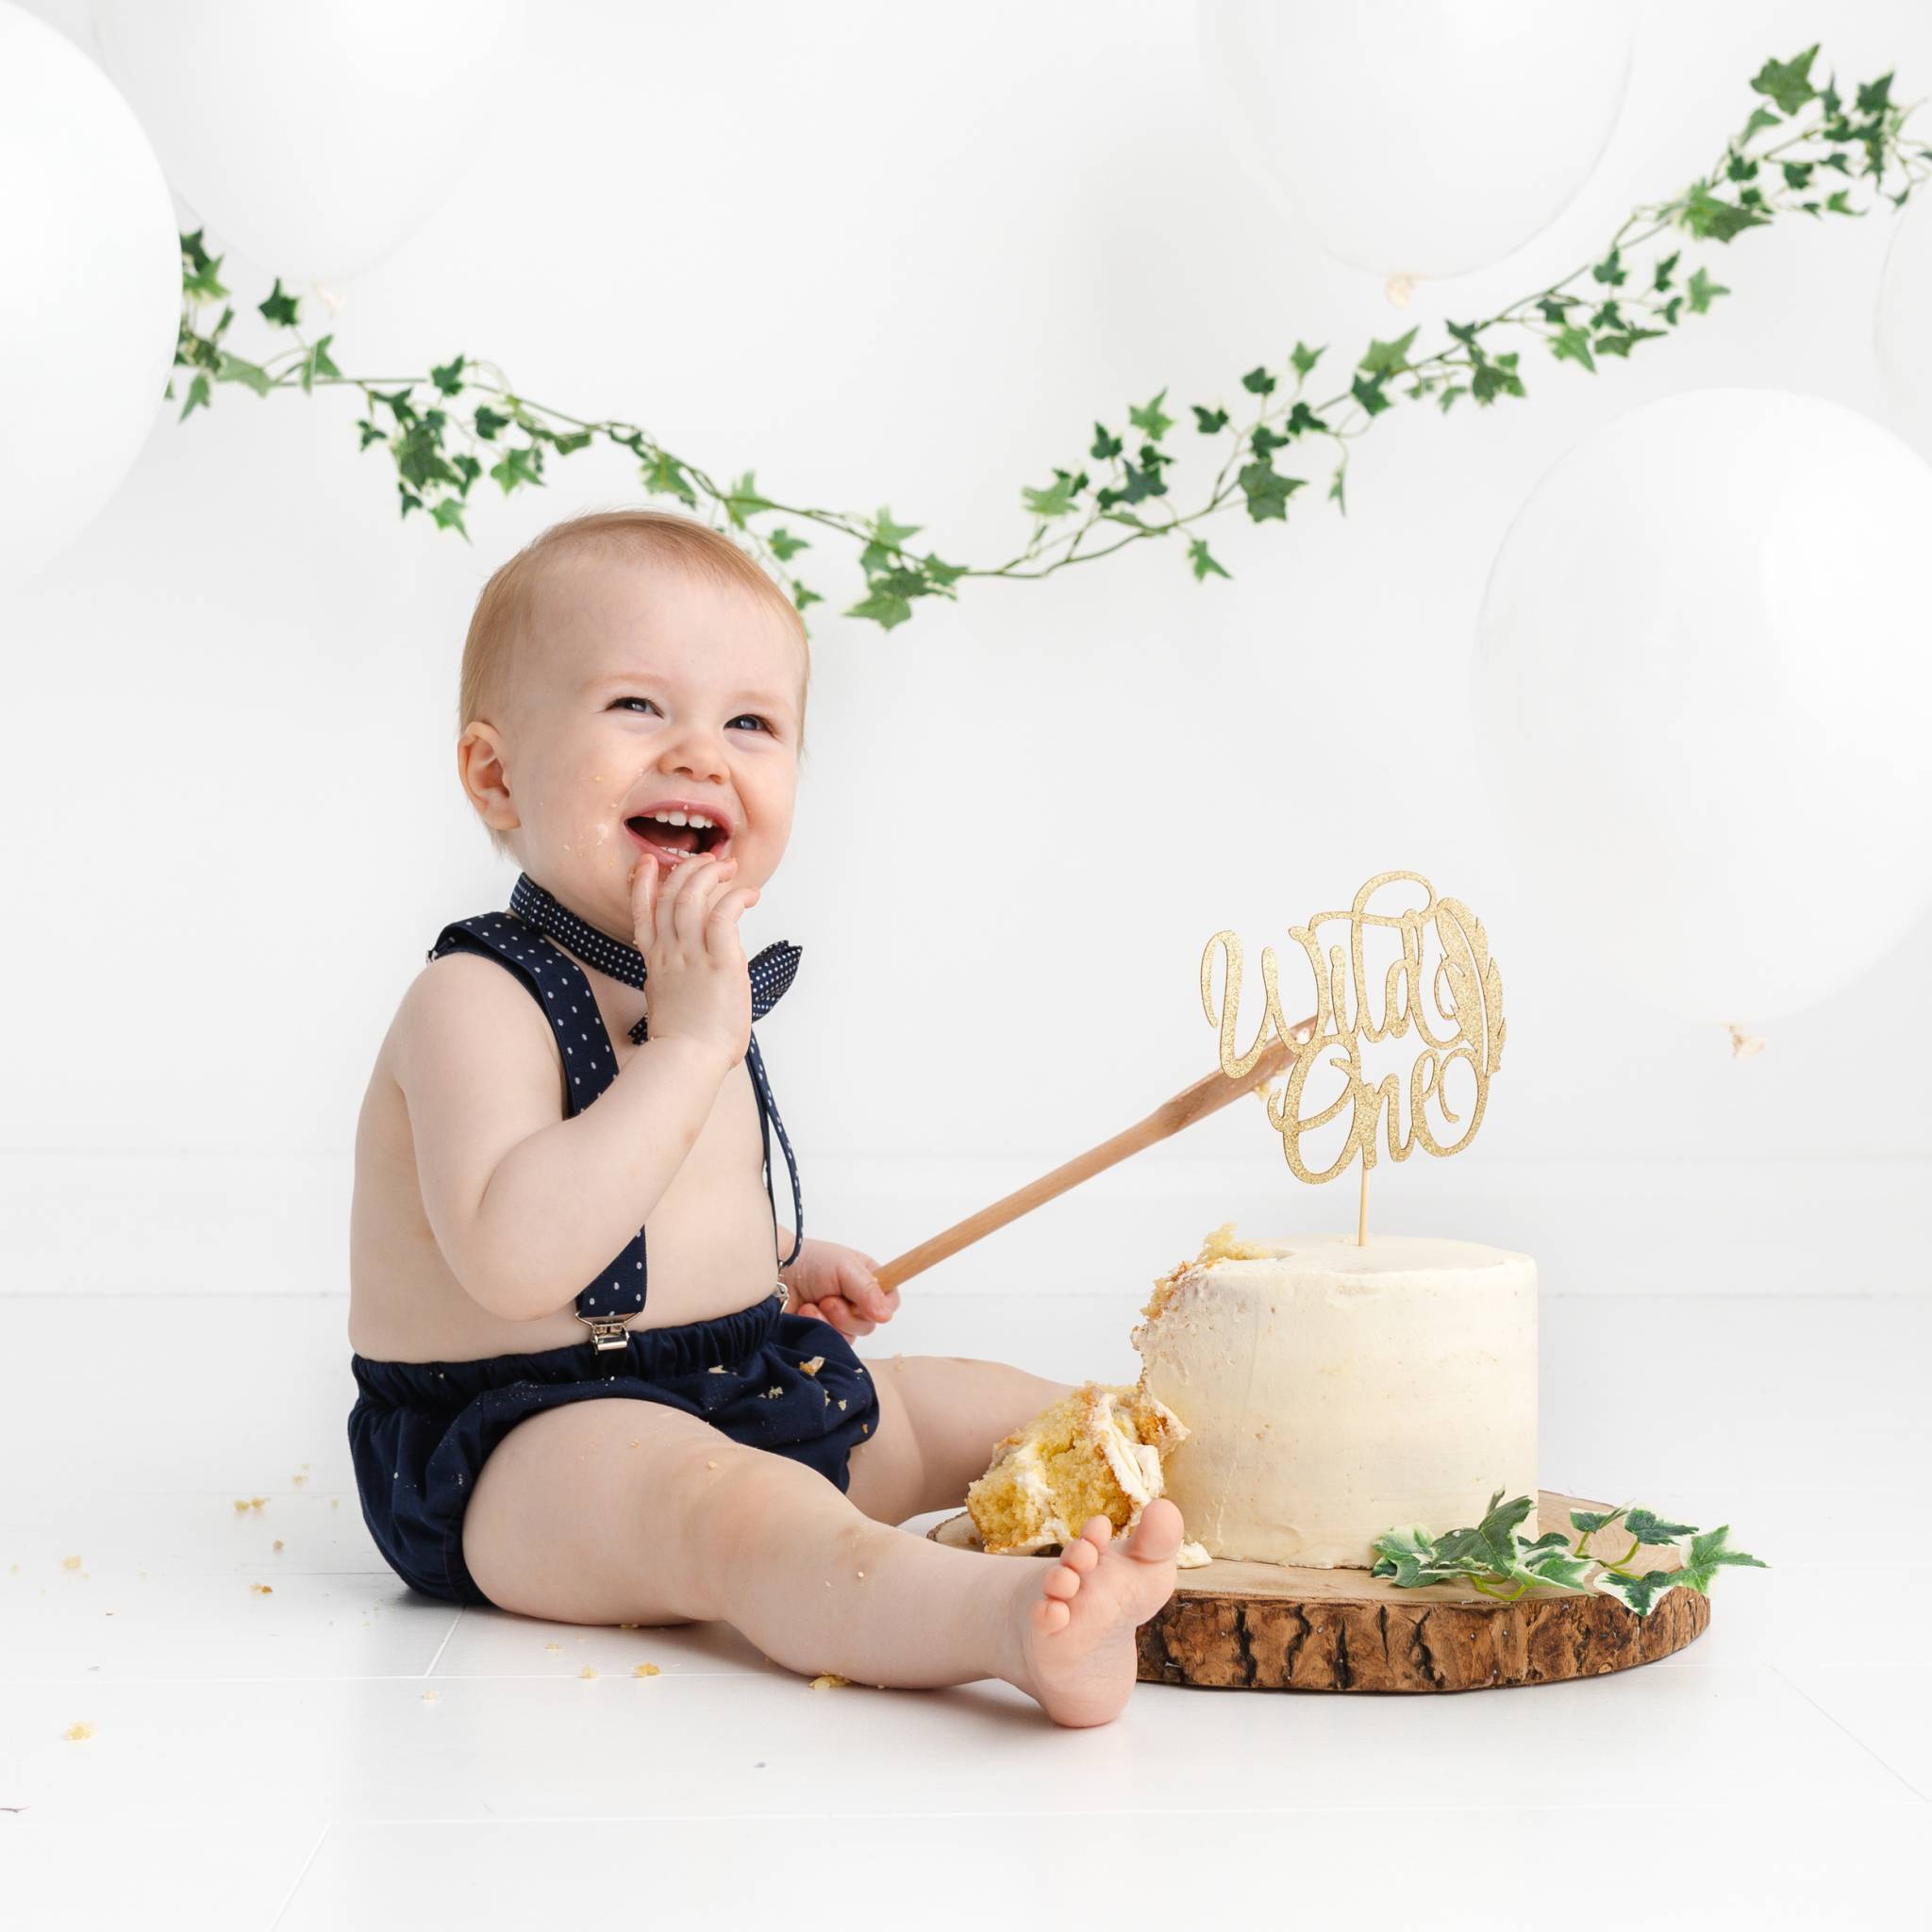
(939, 1418)
(612, 1511)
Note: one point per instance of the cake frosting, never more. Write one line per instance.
(1330, 1390)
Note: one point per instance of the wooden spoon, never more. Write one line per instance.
(1195, 1102)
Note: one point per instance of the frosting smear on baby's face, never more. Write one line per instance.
(640, 690)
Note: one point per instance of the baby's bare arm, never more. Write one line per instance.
(526, 1207)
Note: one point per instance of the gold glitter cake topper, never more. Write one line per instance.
(1463, 992)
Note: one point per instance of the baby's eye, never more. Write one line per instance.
(762, 723)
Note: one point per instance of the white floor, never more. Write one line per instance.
(339, 1752)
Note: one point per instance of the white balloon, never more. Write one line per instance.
(1418, 137)
(90, 296)
(313, 138)
(1902, 323)
(1704, 683)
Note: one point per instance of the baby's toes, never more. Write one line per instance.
(1063, 1581)
(1050, 1614)
(1096, 1531)
(1079, 1554)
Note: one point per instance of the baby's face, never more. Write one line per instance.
(644, 688)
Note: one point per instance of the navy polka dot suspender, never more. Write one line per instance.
(558, 984)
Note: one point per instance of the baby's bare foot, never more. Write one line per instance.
(1076, 1626)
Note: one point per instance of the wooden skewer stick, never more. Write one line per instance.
(1195, 1102)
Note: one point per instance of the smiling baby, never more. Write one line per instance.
(597, 1381)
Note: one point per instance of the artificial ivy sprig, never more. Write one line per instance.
(1492, 1555)
(464, 420)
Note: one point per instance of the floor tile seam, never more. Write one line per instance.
(1872, 1751)
(289, 1896)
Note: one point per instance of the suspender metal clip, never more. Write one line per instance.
(606, 1331)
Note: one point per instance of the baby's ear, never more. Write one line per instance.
(485, 782)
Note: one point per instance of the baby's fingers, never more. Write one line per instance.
(720, 928)
(843, 1316)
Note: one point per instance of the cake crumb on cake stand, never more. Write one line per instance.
(1269, 1627)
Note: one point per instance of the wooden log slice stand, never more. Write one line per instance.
(1265, 1626)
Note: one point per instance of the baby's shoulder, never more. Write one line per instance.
(466, 1007)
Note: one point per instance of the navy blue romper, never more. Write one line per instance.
(420, 1432)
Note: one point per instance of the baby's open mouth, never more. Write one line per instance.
(672, 842)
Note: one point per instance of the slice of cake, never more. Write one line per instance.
(1095, 1452)
(1331, 1390)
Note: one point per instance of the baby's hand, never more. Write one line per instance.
(698, 983)
(839, 1285)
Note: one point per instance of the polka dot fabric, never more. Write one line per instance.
(521, 940)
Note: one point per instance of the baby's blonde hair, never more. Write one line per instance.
(499, 625)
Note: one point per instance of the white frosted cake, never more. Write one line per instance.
(1331, 1391)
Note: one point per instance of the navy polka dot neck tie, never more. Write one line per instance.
(773, 967)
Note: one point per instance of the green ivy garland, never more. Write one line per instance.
(443, 431)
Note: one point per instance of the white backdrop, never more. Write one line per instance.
(770, 235)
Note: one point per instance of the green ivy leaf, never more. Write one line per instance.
(448, 377)
(278, 310)
(1495, 376)
(1709, 1554)
(1611, 270)
(1639, 1594)
(397, 403)
(1408, 1556)
(1203, 562)
(1874, 96)
(891, 534)
(201, 282)
(1301, 419)
(1368, 394)
(1625, 339)
(1208, 422)
(742, 500)
(198, 394)
(418, 456)
(318, 364)
(1713, 219)
(1572, 345)
(784, 545)
(1267, 490)
(884, 607)
(664, 477)
(1591, 1521)
(448, 512)
(1787, 82)
(1386, 359)
(1257, 381)
(519, 464)
(1104, 444)
(489, 421)
(1054, 501)
(1648, 1527)
(1555, 1569)
(1305, 358)
(1703, 291)
(233, 369)
(1151, 419)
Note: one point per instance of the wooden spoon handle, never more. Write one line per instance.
(1194, 1103)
